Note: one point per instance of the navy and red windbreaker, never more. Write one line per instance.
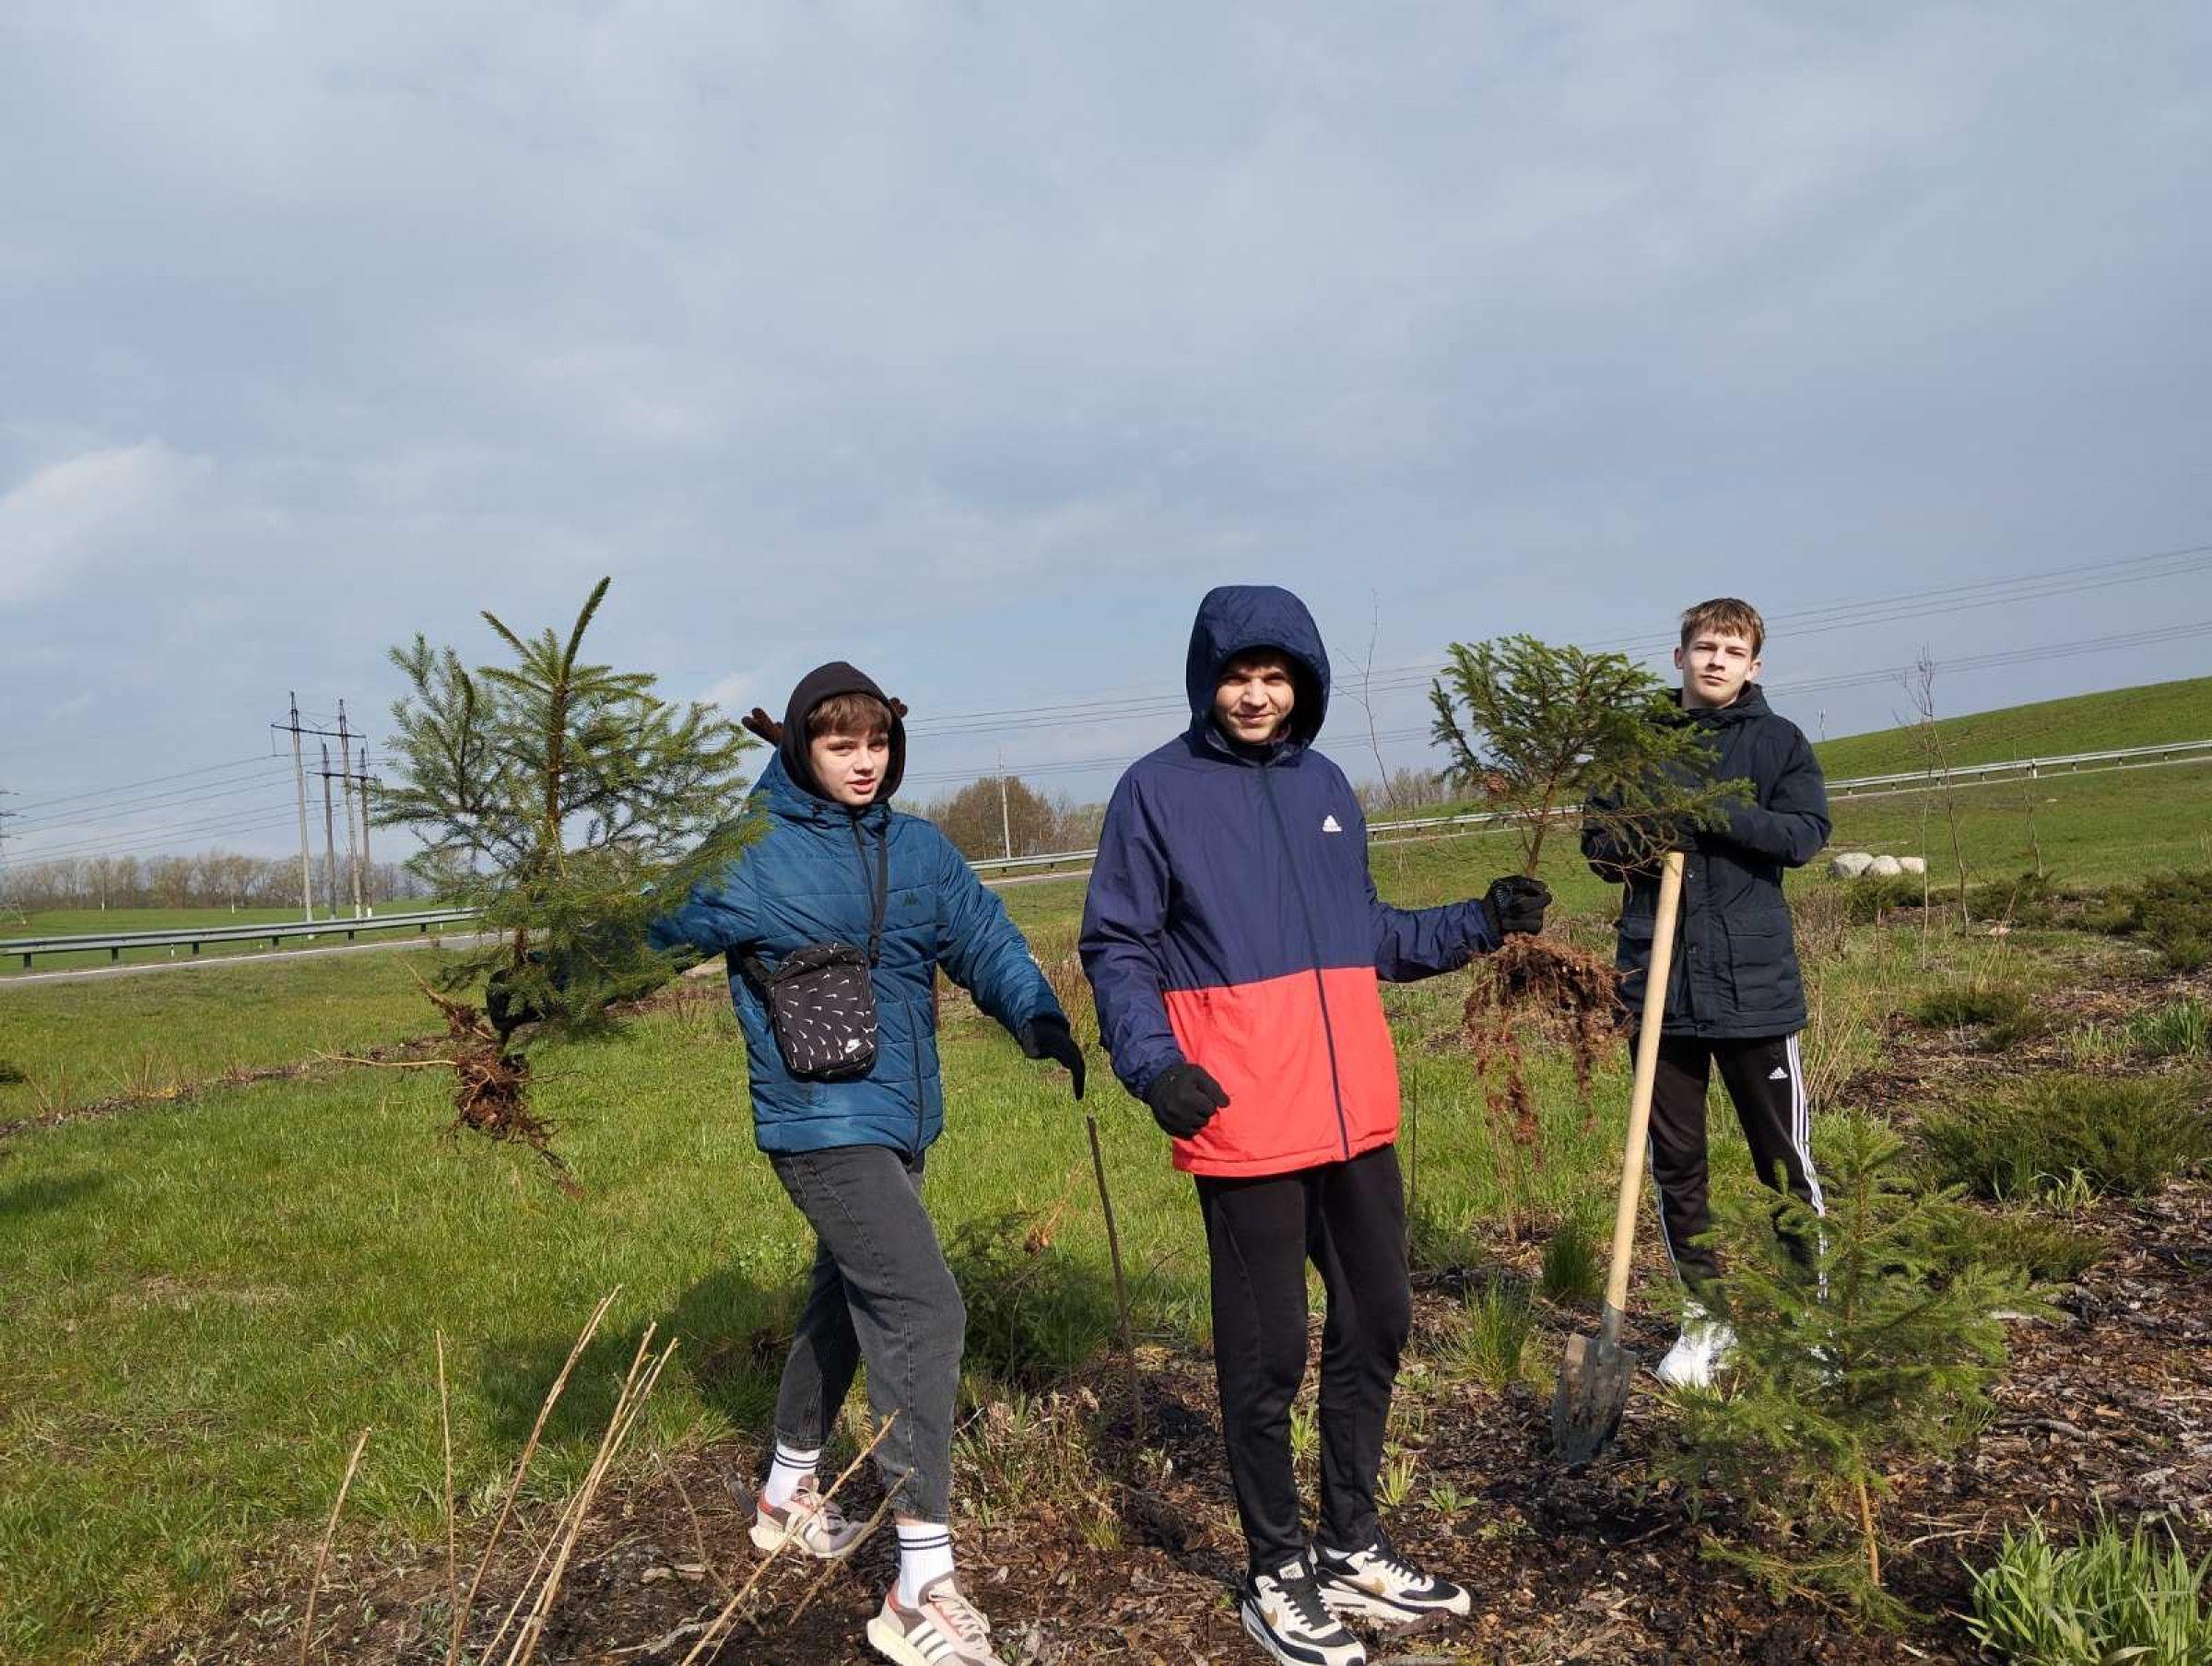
(1231, 920)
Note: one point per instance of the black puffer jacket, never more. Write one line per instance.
(1735, 960)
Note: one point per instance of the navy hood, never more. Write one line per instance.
(826, 683)
(1237, 618)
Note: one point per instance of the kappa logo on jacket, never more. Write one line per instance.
(1329, 824)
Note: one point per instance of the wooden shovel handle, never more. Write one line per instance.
(1639, 1097)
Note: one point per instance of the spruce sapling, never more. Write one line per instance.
(1861, 1344)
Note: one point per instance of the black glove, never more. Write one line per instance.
(1514, 907)
(508, 1011)
(1183, 1099)
(1047, 1037)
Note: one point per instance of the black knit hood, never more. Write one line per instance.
(826, 683)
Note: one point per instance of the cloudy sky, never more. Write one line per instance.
(973, 341)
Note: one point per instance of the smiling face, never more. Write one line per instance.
(1715, 664)
(849, 768)
(1252, 697)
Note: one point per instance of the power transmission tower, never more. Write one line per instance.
(1005, 820)
(367, 780)
(307, 882)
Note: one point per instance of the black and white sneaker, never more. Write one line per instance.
(1378, 1584)
(1285, 1615)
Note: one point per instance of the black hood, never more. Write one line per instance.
(825, 683)
(1750, 702)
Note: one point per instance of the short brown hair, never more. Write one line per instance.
(1725, 613)
(854, 713)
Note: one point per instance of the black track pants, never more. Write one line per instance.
(1349, 1220)
(1767, 1085)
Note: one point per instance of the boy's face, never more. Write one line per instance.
(851, 766)
(1714, 667)
(1253, 697)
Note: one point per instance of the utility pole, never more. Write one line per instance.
(353, 857)
(367, 873)
(329, 842)
(1005, 820)
(307, 882)
(5, 817)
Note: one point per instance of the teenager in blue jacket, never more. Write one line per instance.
(835, 863)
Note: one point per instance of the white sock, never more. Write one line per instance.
(789, 1467)
(925, 1557)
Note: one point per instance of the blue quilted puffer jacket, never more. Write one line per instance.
(811, 878)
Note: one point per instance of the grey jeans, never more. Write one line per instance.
(879, 1291)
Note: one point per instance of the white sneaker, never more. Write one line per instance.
(945, 1630)
(1284, 1613)
(809, 1523)
(1378, 1584)
(1698, 1354)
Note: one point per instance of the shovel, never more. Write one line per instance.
(1594, 1378)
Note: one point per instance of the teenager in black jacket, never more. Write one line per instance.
(1734, 998)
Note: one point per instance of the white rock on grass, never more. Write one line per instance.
(1885, 867)
(1850, 864)
(1913, 864)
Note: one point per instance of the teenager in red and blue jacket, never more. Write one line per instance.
(1234, 943)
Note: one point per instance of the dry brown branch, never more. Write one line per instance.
(314, 1583)
(530, 1446)
(636, 1388)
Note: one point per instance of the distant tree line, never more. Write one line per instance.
(210, 879)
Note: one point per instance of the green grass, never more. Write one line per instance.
(2111, 1597)
(81, 1042)
(2083, 723)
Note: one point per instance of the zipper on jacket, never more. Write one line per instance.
(914, 1041)
(1321, 987)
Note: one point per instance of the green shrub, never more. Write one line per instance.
(2124, 1134)
(1574, 1273)
(2007, 1012)
(2180, 1029)
(2108, 1598)
(1868, 898)
(2032, 900)
(2172, 912)
(2049, 1251)
(1034, 1313)
(1494, 1336)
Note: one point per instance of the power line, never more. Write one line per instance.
(149, 782)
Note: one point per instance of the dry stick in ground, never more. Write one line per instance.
(314, 1584)
(712, 1638)
(1120, 1293)
(698, 1532)
(529, 1447)
(637, 1387)
(822, 1579)
(562, 1532)
(452, 1551)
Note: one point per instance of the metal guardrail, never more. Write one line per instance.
(1862, 786)
(275, 932)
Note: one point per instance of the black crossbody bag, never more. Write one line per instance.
(822, 1000)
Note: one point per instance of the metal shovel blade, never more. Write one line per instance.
(1592, 1392)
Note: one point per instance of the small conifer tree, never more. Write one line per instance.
(566, 800)
(1861, 1345)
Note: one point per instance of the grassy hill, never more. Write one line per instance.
(2083, 723)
